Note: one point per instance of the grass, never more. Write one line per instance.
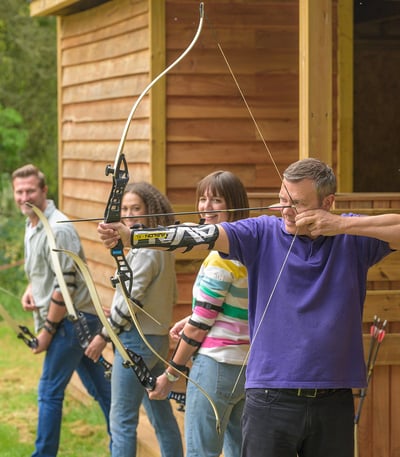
(83, 429)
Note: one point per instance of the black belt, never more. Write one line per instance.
(308, 393)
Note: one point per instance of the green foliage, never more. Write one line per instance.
(12, 227)
(28, 134)
(28, 120)
(28, 90)
(12, 138)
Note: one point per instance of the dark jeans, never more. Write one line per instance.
(276, 423)
(63, 357)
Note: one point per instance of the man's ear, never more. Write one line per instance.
(327, 202)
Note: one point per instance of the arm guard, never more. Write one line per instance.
(199, 325)
(206, 305)
(174, 237)
(191, 341)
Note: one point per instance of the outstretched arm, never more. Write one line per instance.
(385, 227)
(178, 237)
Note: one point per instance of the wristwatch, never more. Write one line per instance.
(170, 376)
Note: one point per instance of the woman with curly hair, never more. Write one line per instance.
(154, 287)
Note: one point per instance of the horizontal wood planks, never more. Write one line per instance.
(105, 61)
(208, 125)
(104, 65)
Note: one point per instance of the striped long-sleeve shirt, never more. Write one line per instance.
(223, 283)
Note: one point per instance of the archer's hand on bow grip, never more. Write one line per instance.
(110, 233)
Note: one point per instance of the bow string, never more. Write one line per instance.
(277, 206)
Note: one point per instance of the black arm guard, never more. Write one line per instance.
(191, 341)
(180, 236)
(199, 325)
(206, 305)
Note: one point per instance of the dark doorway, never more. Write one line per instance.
(377, 96)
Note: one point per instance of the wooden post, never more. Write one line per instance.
(157, 95)
(345, 97)
(315, 94)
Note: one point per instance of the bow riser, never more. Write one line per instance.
(120, 180)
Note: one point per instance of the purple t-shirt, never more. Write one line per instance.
(311, 334)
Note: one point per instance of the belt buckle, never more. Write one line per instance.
(311, 395)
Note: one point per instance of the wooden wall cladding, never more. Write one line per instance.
(208, 125)
(105, 60)
(103, 67)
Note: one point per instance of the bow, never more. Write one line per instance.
(377, 332)
(22, 331)
(120, 175)
(78, 319)
(124, 274)
(130, 358)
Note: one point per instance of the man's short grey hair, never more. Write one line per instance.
(319, 172)
(29, 170)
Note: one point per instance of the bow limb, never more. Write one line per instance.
(72, 314)
(155, 80)
(82, 330)
(130, 358)
(120, 175)
(143, 336)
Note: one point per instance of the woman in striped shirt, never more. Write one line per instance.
(216, 335)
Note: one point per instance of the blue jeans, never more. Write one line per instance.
(63, 357)
(280, 424)
(217, 379)
(128, 394)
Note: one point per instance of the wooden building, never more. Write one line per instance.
(308, 78)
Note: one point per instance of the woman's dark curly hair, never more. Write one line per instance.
(155, 202)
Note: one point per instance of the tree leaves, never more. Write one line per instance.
(28, 118)
(28, 90)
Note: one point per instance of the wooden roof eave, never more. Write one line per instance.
(61, 7)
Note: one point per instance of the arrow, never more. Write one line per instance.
(273, 207)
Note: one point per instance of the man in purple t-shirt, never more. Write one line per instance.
(307, 285)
